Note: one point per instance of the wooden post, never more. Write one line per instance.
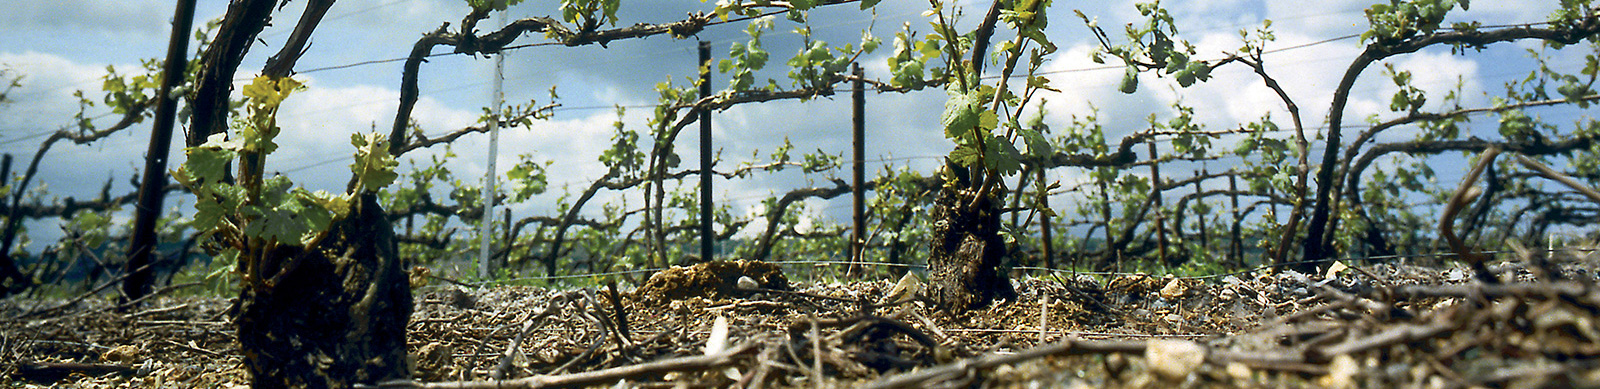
(152, 189)
(1237, 251)
(5, 170)
(1155, 197)
(406, 261)
(707, 236)
(5, 180)
(858, 203)
(1273, 210)
(1105, 213)
(507, 240)
(1044, 219)
(1200, 218)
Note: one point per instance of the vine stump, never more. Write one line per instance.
(336, 319)
(967, 251)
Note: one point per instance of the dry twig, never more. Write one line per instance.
(588, 378)
(1464, 195)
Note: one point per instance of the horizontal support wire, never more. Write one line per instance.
(1034, 268)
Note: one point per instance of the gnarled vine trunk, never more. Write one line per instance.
(965, 257)
(338, 317)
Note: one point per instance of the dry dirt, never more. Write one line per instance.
(1382, 325)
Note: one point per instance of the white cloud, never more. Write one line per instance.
(1236, 94)
(382, 12)
(1327, 19)
(317, 124)
(1436, 74)
(146, 18)
(48, 84)
(1506, 12)
(44, 104)
(1212, 16)
(1087, 87)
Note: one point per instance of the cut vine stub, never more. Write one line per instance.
(967, 252)
(336, 319)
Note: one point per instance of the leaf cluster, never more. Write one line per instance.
(245, 216)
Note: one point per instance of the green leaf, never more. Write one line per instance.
(907, 74)
(275, 190)
(960, 115)
(865, 4)
(373, 166)
(988, 120)
(1038, 147)
(208, 213)
(756, 58)
(1041, 83)
(228, 255)
(313, 217)
(497, 5)
(869, 43)
(1003, 156)
(1130, 81)
(964, 155)
(741, 80)
(1573, 91)
(929, 48)
(208, 164)
(265, 90)
(818, 52)
(231, 196)
(1201, 70)
(528, 179)
(339, 205)
(723, 8)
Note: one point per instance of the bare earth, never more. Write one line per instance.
(1382, 325)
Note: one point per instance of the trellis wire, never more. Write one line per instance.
(1034, 268)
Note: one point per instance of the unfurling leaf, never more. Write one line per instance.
(339, 205)
(1041, 83)
(527, 178)
(869, 43)
(265, 90)
(373, 166)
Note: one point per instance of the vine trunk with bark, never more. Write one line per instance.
(338, 314)
(966, 253)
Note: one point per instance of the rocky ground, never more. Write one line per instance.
(1373, 325)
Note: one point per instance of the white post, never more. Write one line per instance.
(498, 95)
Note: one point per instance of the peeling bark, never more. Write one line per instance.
(967, 251)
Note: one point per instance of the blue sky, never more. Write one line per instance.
(65, 46)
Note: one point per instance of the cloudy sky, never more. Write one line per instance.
(62, 47)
